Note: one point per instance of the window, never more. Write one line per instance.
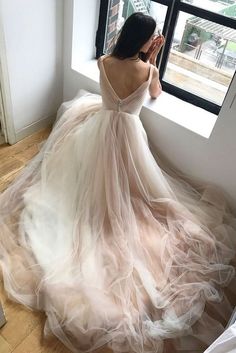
(198, 60)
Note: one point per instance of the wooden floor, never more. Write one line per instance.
(13, 158)
(23, 332)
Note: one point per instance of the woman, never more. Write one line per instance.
(97, 235)
(124, 67)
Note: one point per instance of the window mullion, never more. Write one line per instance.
(207, 15)
(163, 2)
(102, 25)
(170, 23)
(191, 97)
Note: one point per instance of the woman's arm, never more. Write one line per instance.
(155, 85)
(155, 88)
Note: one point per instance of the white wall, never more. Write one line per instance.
(79, 38)
(33, 33)
(210, 160)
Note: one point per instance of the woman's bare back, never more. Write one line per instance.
(125, 76)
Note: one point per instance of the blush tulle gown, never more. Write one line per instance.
(115, 250)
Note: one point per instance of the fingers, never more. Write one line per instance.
(157, 47)
(159, 40)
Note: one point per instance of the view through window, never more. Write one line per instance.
(202, 58)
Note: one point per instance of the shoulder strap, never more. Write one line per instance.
(101, 59)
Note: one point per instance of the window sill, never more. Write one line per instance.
(165, 106)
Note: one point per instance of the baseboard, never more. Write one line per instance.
(36, 126)
(2, 139)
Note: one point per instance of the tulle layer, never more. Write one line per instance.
(112, 248)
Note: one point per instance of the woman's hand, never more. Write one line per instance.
(155, 48)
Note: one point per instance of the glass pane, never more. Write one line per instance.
(120, 10)
(158, 12)
(224, 7)
(202, 59)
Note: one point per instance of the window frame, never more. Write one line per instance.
(174, 7)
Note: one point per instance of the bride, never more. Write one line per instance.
(96, 234)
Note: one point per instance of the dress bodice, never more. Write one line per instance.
(131, 104)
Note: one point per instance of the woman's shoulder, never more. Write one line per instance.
(100, 59)
(112, 59)
(139, 70)
(148, 68)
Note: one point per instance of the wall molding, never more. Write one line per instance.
(35, 127)
(7, 109)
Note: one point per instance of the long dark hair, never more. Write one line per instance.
(136, 31)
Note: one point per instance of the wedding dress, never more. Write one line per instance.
(114, 249)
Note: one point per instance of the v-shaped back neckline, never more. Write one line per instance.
(131, 94)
